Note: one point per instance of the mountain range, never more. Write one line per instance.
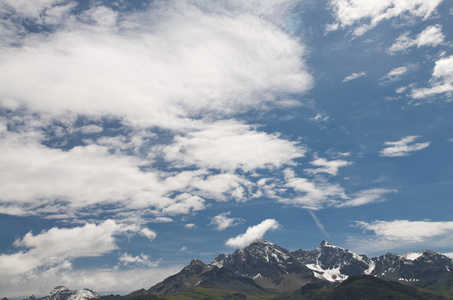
(265, 270)
(264, 266)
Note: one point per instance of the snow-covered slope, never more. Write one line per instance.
(63, 293)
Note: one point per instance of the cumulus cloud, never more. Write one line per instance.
(354, 76)
(325, 166)
(68, 182)
(223, 187)
(253, 234)
(140, 260)
(365, 15)
(230, 145)
(441, 80)
(403, 147)
(215, 64)
(431, 36)
(223, 221)
(57, 246)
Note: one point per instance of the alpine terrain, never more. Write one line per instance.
(264, 270)
(264, 266)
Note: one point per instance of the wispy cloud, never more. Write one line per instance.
(312, 194)
(321, 118)
(354, 76)
(401, 235)
(318, 223)
(365, 15)
(223, 221)
(395, 74)
(403, 147)
(405, 230)
(431, 36)
(253, 234)
(325, 166)
(367, 197)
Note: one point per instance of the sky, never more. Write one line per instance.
(137, 135)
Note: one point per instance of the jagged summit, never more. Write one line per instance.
(262, 241)
(63, 293)
(196, 262)
(59, 289)
(325, 243)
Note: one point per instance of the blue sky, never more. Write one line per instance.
(137, 135)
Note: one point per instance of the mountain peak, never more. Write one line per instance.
(59, 289)
(325, 243)
(262, 241)
(410, 255)
(196, 262)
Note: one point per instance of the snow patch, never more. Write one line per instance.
(411, 255)
(408, 280)
(332, 275)
(371, 268)
(83, 295)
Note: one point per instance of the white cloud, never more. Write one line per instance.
(312, 195)
(156, 74)
(366, 14)
(67, 182)
(321, 118)
(89, 129)
(367, 197)
(230, 145)
(318, 194)
(162, 220)
(190, 225)
(431, 36)
(184, 204)
(223, 221)
(395, 74)
(222, 187)
(103, 281)
(329, 167)
(354, 76)
(252, 234)
(140, 260)
(411, 231)
(401, 90)
(403, 147)
(402, 235)
(54, 247)
(319, 224)
(150, 234)
(43, 11)
(441, 81)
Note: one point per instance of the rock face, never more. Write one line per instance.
(270, 265)
(264, 265)
(332, 263)
(63, 293)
